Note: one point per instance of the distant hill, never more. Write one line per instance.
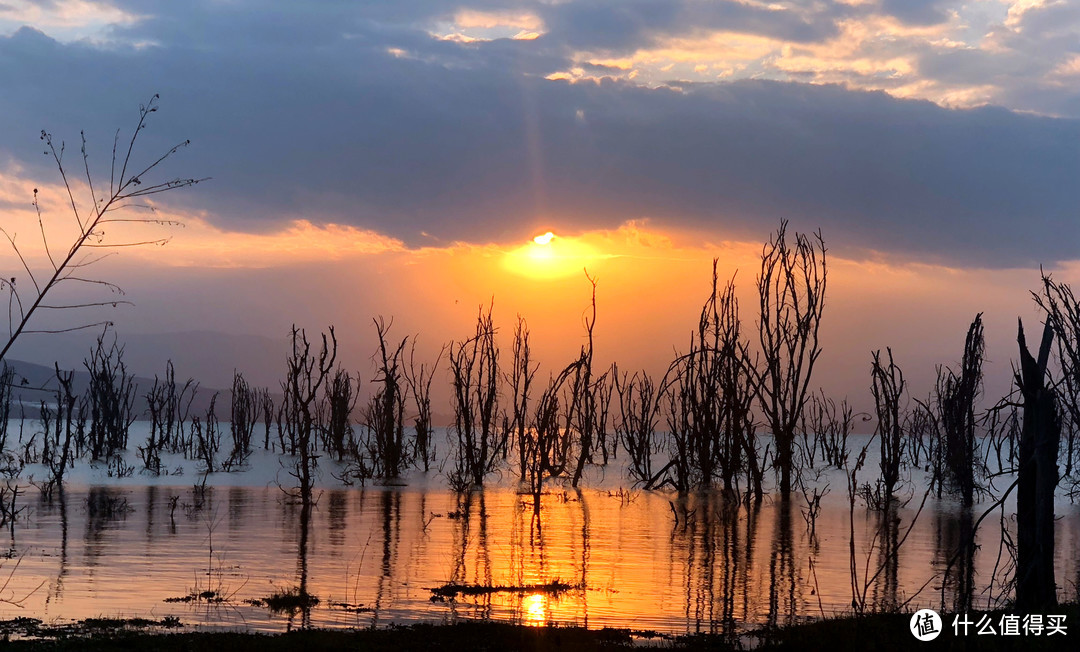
(207, 356)
(35, 383)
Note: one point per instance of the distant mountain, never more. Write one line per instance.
(207, 356)
(35, 383)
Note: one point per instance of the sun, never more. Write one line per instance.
(549, 256)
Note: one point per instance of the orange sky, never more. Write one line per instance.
(651, 283)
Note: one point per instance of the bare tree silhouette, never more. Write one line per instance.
(791, 288)
(126, 187)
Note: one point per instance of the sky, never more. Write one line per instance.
(396, 158)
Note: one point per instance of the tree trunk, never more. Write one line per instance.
(1037, 479)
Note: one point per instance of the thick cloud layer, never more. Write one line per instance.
(363, 117)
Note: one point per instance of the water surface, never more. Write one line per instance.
(643, 560)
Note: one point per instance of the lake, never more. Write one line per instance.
(632, 559)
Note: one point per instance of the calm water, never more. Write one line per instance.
(124, 551)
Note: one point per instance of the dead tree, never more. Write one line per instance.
(175, 409)
(636, 426)
(68, 426)
(386, 412)
(474, 367)
(956, 397)
(887, 386)
(266, 405)
(128, 185)
(111, 396)
(830, 425)
(791, 289)
(419, 379)
(586, 411)
(306, 375)
(1063, 315)
(1037, 479)
(336, 412)
(7, 389)
(206, 436)
(520, 380)
(244, 409)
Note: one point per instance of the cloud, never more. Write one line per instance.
(305, 114)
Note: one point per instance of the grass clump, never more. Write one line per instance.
(288, 601)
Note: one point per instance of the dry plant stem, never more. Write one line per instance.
(122, 192)
(520, 379)
(419, 379)
(586, 394)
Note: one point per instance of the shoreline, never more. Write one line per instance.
(880, 631)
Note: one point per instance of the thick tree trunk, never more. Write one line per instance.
(1037, 479)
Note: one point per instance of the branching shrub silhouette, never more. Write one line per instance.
(67, 425)
(244, 409)
(419, 379)
(7, 387)
(307, 373)
(887, 387)
(336, 411)
(206, 436)
(1063, 314)
(385, 414)
(956, 397)
(474, 369)
(635, 427)
(111, 396)
(791, 289)
(709, 393)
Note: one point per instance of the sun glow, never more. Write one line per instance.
(549, 257)
(535, 608)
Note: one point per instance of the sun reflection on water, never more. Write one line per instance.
(535, 610)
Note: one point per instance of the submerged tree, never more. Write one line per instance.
(635, 427)
(111, 397)
(474, 367)
(244, 409)
(588, 399)
(710, 391)
(956, 397)
(520, 381)
(888, 387)
(1037, 478)
(386, 411)
(308, 372)
(791, 289)
(419, 379)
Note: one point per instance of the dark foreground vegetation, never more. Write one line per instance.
(875, 632)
